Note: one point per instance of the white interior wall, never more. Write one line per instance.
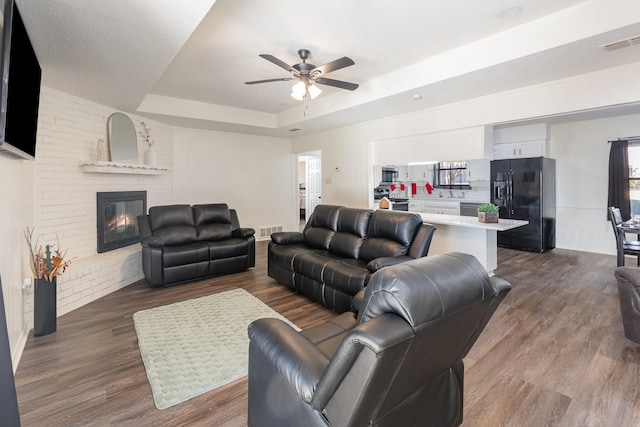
(582, 163)
(253, 174)
(16, 213)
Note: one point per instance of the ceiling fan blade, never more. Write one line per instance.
(334, 65)
(283, 79)
(336, 83)
(278, 62)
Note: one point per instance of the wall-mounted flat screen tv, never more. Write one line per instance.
(19, 87)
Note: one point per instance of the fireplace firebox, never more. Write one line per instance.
(117, 225)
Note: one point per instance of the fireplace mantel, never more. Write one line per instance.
(126, 168)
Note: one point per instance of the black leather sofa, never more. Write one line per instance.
(397, 362)
(182, 243)
(332, 259)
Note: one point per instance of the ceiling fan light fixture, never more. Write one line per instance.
(299, 90)
(314, 91)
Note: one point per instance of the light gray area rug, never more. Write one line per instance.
(194, 346)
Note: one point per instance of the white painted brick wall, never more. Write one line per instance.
(65, 197)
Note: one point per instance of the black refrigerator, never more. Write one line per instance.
(525, 189)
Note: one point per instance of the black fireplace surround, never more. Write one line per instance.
(117, 213)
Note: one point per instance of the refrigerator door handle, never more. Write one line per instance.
(510, 191)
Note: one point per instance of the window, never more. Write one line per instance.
(634, 178)
(452, 175)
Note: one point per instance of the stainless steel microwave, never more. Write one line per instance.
(389, 175)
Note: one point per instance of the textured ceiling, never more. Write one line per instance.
(186, 62)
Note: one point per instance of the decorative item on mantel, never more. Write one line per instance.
(102, 153)
(488, 213)
(150, 154)
(46, 265)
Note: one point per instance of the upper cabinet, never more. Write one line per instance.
(420, 172)
(403, 173)
(521, 141)
(478, 170)
(516, 150)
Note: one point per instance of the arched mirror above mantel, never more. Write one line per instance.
(123, 141)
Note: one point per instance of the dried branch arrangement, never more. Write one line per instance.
(46, 262)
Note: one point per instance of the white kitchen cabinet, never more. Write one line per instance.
(415, 206)
(420, 173)
(478, 170)
(403, 173)
(441, 207)
(515, 150)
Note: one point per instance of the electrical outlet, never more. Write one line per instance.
(26, 284)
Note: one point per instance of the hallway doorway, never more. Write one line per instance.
(309, 183)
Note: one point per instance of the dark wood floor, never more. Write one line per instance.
(554, 353)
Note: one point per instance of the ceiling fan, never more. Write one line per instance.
(309, 75)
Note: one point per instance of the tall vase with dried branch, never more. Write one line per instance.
(150, 154)
(46, 263)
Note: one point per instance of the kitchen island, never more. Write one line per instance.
(467, 234)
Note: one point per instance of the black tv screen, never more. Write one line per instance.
(19, 88)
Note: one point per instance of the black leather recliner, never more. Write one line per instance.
(397, 362)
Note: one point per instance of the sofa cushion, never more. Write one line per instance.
(395, 225)
(312, 263)
(213, 221)
(318, 237)
(168, 216)
(214, 232)
(189, 253)
(351, 231)
(390, 234)
(228, 248)
(347, 275)
(217, 213)
(173, 224)
(325, 216)
(321, 226)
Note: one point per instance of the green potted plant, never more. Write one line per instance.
(488, 212)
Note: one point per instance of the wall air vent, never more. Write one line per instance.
(621, 43)
(266, 231)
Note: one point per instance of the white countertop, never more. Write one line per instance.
(471, 221)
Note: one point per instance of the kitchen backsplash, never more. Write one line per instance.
(476, 193)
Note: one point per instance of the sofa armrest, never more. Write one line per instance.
(243, 232)
(386, 261)
(294, 357)
(144, 226)
(287, 237)
(422, 241)
(153, 242)
(357, 301)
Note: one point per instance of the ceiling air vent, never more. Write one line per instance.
(295, 130)
(621, 43)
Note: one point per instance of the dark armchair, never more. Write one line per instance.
(628, 279)
(397, 362)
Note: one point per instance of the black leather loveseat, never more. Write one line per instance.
(181, 243)
(332, 259)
